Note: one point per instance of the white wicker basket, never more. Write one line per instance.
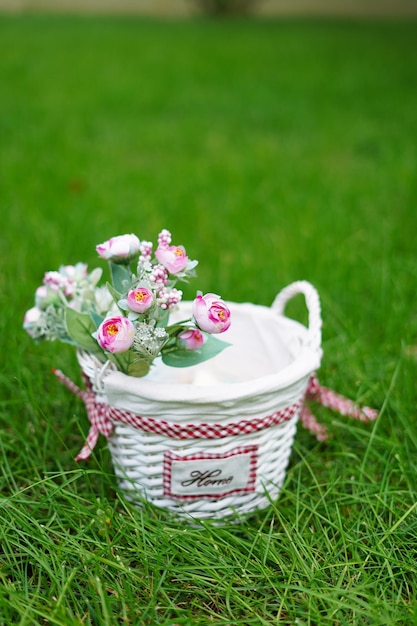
(214, 440)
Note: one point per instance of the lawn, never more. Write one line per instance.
(274, 151)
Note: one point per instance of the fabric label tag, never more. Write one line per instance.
(207, 475)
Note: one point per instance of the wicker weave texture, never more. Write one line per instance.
(140, 457)
(138, 462)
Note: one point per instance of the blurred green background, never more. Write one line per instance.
(273, 150)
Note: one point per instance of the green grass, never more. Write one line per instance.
(274, 151)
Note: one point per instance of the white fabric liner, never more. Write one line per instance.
(269, 353)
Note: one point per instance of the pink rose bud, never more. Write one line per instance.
(41, 295)
(116, 334)
(57, 281)
(190, 339)
(211, 313)
(120, 249)
(140, 299)
(77, 272)
(31, 318)
(45, 295)
(54, 280)
(174, 258)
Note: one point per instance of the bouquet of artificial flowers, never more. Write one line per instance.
(126, 320)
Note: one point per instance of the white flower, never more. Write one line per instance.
(103, 300)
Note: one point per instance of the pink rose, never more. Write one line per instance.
(211, 313)
(120, 249)
(140, 299)
(116, 334)
(174, 258)
(190, 339)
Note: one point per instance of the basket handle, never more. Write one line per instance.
(313, 306)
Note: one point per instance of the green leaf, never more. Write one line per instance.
(176, 328)
(128, 364)
(97, 319)
(161, 317)
(116, 295)
(121, 277)
(138, 368)
(80, 326)
(178, 357)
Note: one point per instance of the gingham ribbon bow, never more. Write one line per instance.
(101, 415)
(98, 414)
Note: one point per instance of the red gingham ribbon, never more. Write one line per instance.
(331, 400)
(98, 414)
(203, 430)
(101, 416)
